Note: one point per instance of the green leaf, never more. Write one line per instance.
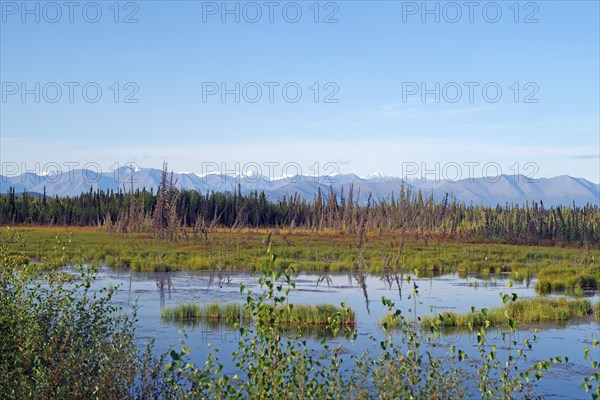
(511, 323)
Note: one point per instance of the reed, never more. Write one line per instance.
(229, 312)
(319, 314)
(568, 278)
(530, 311)
(325, 251)
(293, 314)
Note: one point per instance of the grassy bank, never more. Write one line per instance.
(561, 269)
(294, 315)
(530, 311)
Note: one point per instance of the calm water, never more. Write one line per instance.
(447, 292)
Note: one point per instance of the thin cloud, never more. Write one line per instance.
(467, 110)
(586, 156)
(343, 162)
(394, 110)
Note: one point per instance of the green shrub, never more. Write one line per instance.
(59, 340)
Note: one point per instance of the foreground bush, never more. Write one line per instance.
(60, 340)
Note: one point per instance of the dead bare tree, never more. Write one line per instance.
(165, 220)
(133, 218)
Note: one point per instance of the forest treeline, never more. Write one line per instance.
(169, 210)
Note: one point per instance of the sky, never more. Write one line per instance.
(435, 89)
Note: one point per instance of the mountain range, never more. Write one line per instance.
(489, 191)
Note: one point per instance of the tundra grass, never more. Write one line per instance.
(306, 250)
(568, 278)
(229, 312)
(529, 311)
(319, 314)
(297, 315)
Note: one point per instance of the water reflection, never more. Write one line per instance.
(361, 280)
(324, 277)
(223, 328)
(391, 278)
(219, 264)
(162, 283)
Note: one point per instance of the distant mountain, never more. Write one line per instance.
(487, 191)
(517, 189)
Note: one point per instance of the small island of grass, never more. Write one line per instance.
(527, 311)
(295, 315)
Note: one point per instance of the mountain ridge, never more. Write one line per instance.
(489, 191)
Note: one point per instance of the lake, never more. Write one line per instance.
(152, 291)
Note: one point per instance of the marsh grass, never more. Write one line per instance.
(298, 315)
(568, 278)
(549, 310)
(306, 250)
(229, 312)
(319, 314)
(529, 311)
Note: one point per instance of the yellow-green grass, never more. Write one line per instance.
(569, 278)
(302, 249)
(292, 315)
(319, 314)
(228, 312)
(527, 311)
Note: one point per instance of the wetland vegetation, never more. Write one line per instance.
(525, 311)
(559, 269)
(48, 311)
(290, 314)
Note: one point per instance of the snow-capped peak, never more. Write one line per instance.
(376, 175)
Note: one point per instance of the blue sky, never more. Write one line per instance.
(370, 61)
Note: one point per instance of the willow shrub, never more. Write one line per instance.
(61, 339)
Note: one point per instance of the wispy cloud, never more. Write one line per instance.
(425, 109)
(586, 156)
(343, 162)
(394, 110)
(467, 110)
